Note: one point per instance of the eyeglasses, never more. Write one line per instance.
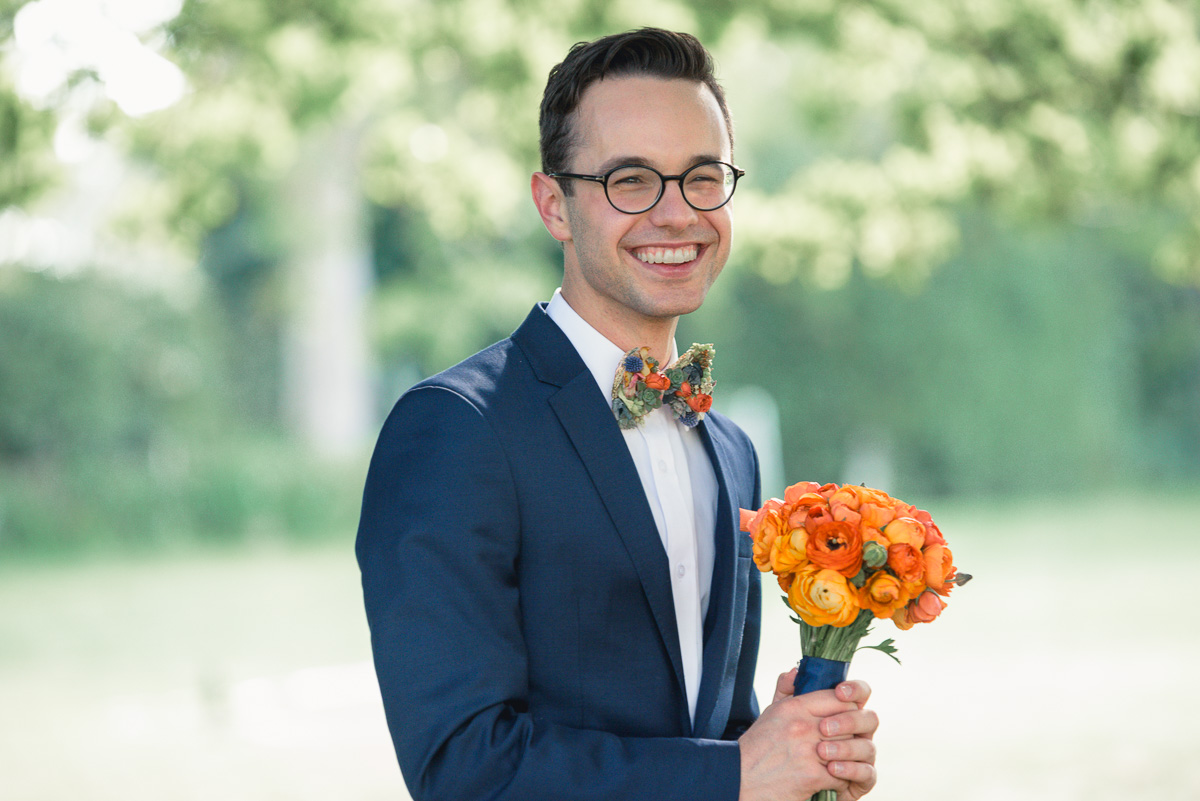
(632, 188)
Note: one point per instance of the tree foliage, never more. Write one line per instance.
(947, 226)
(119, 427)
(894, 112)
(1078, 111)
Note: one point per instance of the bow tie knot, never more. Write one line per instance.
(686, 386)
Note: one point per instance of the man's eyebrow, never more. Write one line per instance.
(641, 161)
(621, 161)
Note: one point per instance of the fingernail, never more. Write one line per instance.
(831, 727)
(831, 750)
(838, 768)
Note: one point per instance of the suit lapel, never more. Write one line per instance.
(589, 423)
(724, 623)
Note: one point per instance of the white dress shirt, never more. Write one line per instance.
(680, 486)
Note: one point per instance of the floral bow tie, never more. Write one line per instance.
(640, 387)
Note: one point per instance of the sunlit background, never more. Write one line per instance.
(967, 271)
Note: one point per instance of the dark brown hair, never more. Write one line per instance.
(647, 51)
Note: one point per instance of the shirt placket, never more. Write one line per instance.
(670, 477)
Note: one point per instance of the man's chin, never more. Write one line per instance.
(670, 308)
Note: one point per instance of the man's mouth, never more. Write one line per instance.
(678, 255)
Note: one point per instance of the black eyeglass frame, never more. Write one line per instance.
(662, 186)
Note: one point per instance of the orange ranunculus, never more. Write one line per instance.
(876, 515)
(753, 519)
(902, 618)
(794, 493)
(658, 381)
(764, 526)
(925, 608)
(908, 565)
(823, 598)
(798, 516)
(700, 402)
(846, 496)
(933, 534)
(873, 535)
(785, 581)
(883, 594)
(845, 514)
(875, 497)
(902, 510)
(835, 545)
(907, 530)
(684, 391)
(939, 568)
(818, 516)
(798, 499)
(808, 500)
(764, 535)
(790, 552)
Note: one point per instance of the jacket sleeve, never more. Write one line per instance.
(438, 545)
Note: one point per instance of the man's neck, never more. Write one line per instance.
(629, 330)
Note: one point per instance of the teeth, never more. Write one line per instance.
(667, 255)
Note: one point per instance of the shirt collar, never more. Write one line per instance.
(601, 356)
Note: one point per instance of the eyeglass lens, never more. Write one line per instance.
(705, 186)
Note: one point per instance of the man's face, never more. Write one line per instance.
(623, 271)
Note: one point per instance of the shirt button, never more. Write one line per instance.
(662, 466)
(680, 570)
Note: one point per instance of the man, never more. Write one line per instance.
(562, 607)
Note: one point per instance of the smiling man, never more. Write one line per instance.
(631, 275)
(561, 604)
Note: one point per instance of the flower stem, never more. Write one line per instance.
(831, 642)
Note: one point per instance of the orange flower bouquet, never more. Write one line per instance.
(847, 556)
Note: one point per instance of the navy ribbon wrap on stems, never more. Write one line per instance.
(815, 673)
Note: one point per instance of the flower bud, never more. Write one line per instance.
(874, 555)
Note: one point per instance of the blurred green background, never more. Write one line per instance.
(967, 270)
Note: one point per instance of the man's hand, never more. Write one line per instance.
(817, 741)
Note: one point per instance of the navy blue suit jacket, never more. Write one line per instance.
(519, 596)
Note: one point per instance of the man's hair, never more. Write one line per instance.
(647, 51)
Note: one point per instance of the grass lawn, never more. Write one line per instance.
(1064, 671)
(239, 676)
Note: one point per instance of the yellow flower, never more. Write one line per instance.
(789, 554)
(905, 530)
(823, 598)
(883, 594)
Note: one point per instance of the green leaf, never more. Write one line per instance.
(886, 647)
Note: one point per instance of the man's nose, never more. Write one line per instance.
(672, 211)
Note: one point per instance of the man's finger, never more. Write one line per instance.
(856, 749)
(856, 692)
(785, 685)
(856, 723)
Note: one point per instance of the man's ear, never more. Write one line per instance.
(551, 205)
